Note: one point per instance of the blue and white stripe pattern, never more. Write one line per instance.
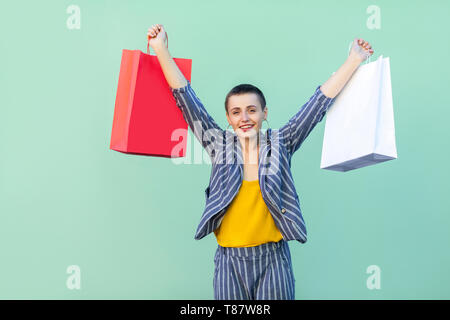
(262, 272)
(274, 168)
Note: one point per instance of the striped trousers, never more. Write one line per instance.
(262, 272)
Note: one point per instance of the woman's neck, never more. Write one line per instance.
(250, 149)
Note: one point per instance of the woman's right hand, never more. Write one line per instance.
(157, 36)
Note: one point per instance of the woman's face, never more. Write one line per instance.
(245, 109)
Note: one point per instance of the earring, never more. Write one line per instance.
(268, 126)
(228, 126)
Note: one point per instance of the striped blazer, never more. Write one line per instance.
(276, 147)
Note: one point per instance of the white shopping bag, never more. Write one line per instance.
(359, 128)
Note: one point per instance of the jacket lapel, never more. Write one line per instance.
(268, 179)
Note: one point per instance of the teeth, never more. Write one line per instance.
(249, 126)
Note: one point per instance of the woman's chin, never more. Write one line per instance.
(246, 134)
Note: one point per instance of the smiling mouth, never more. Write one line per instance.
(246, 127)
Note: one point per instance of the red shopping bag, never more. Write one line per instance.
(146, 115)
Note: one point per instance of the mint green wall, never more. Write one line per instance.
(128, 222)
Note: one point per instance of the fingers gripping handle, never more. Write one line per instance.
(350, 47)
(148, 43)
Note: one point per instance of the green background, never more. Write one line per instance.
(129, 221)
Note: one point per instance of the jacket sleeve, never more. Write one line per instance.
(295, 131)
(201, 123)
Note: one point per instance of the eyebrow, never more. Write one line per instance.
(247, 107)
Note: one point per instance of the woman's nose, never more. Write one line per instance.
(244, 116)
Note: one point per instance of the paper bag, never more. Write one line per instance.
(146, 117)
(359, 128)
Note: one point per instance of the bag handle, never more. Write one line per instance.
(148, 43)
(350, 47)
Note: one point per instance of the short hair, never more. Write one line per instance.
(246, 88)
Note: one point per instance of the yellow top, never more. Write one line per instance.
(247, 221)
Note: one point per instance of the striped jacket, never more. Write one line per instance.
(276, 147)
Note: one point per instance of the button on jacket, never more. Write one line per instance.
(276, 147)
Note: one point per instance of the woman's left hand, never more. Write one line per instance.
(360, 50)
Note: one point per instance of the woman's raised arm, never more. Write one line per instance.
(157, 37)
(205, 129)
(299, 126)
(360, 51)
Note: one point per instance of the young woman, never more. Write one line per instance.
(251, 202)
